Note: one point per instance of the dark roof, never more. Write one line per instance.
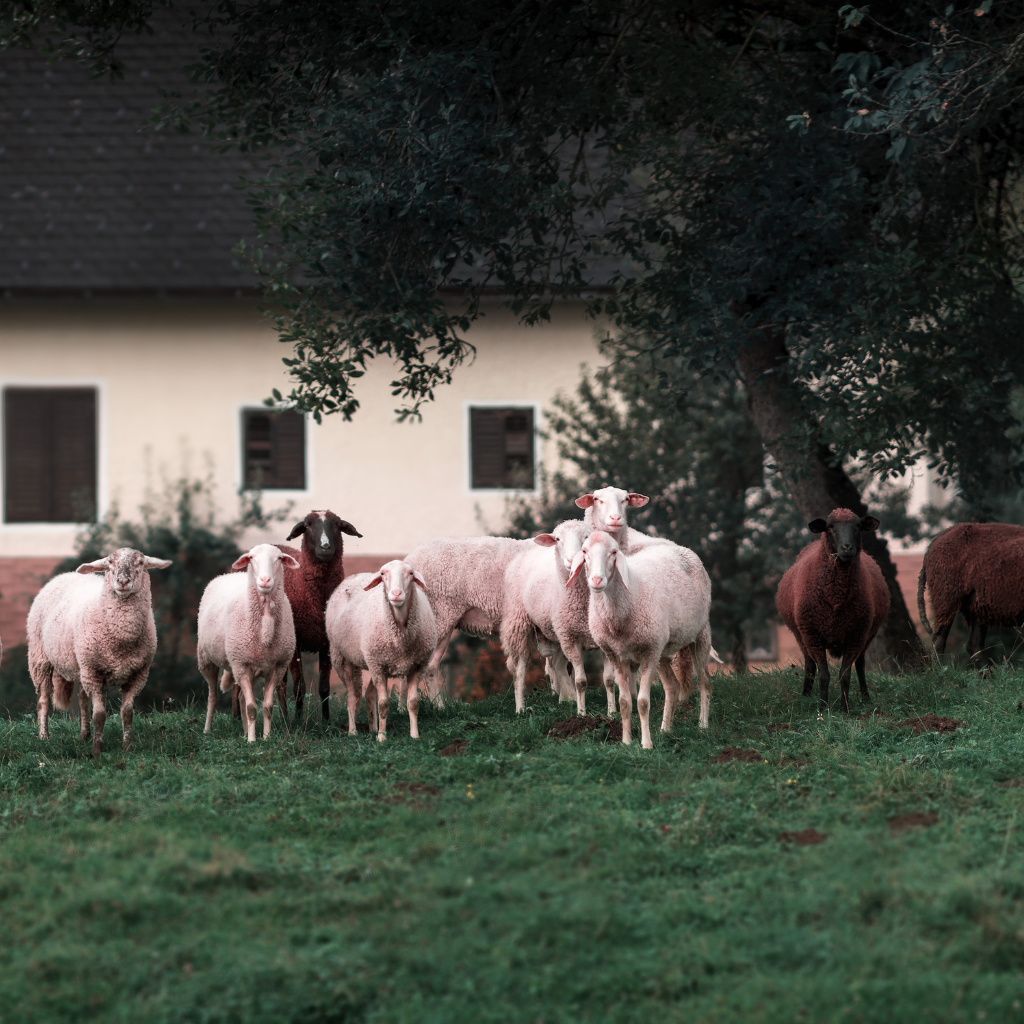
(88, 202)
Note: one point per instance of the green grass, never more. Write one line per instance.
(201, 879)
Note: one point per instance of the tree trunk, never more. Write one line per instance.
(816, 480)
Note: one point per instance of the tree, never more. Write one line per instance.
(868, 307)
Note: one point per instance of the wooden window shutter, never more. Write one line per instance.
(274, 449)
(49, 455)
(501, 448)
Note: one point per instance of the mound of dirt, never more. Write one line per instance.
(580, 725)
(414, 793)
(807, 837)
(930, 723)
(735, 754)
(454, 749)
(417, 789)
(773, 727)
(919, 819)
(1011, 783)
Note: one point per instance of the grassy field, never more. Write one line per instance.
(320, 878)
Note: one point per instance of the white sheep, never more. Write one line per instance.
(390, 634)
(246, 631)
(644, 608)
(465, 588)
(539, 606)
(96, 631)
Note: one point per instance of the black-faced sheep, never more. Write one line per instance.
(309, 588)
(834, 600)
(976, 569)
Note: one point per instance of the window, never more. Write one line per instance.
(274, 449)
(49, 455)
(501, 448)
(761, 644)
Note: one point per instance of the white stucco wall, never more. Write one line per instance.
(173, 375)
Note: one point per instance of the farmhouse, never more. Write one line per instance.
(133, 350)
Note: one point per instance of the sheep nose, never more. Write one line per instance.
(265, 581)
(395, 595)
(615, 520)
(596, 581)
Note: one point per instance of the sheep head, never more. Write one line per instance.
(124, 570)
(842, 530)
(321, 531)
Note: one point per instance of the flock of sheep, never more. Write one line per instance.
(645, 603)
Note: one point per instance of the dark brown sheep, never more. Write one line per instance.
(834, 599)
(976, 569)
(309, 588)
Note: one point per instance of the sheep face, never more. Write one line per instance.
(123, 570)
(842, 531)
(610, 505)
(322, 530)
(566, 538)
(602, 557)
(398, 578)
(265, 564)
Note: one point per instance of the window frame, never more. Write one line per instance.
(258, 405)
(467, 446)
(97, 384)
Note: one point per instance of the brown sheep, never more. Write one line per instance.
(976, 569)
(834, 600)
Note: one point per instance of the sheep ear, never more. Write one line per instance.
(347, 527)
(157, 563)
(417, 578)
(637, 500)
(242, 561)
(375, 582)
(585, 500)
(577, 567)
(623, 570)
(545, 540)
(297, 529)
(100, 565)
(817, 526)
(289, 561)
(869, 524)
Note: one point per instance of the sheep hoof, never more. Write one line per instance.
(381, 737)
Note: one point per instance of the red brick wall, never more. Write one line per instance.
(20, 580)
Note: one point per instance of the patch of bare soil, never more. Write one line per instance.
(930, 723)
(580, 725)
(454, 749)
(735, 754)
(1011, 783)
(774, 727)
(414, 793)
(417, 789)
(919, 819)
(807, 837)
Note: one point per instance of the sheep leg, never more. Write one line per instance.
(380, 684)
(412, 701)
(608, 678)
(211, 674)
(432, 673)
(236, 705)
(44, 690)
(643, 701)
(324, 683)
(84, 722)
(941, 635)
(668, 681)
(625, 696)
(810, 668)
(860, 678)
(270, 688)
(701, 658)
(129, 691)
(519, 681)
(92, 686)
(824, 678)
(298, 684)
(579, 678)
(844, 681)
(249, 718)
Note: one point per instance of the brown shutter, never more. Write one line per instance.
(49, 455)
(274, 449)
(289, 446)
(501, 448)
